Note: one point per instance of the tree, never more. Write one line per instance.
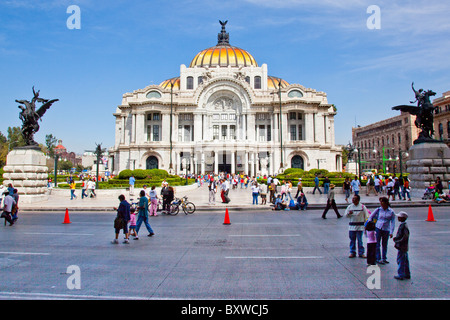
(13, 140)
(3, 149)
(50, 143)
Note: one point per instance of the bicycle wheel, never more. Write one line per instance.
(189, 208)
(174, 209)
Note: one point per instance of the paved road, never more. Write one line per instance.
(261, 255)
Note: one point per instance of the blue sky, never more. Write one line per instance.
(126, 45)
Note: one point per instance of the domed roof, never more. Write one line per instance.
(223, 54)
(166, 84)
(272, 82)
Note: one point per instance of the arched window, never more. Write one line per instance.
(153, 94)
(295, 94)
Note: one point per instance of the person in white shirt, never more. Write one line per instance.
(9, 203)
(358, 214)
(255, 192)
(2, 190)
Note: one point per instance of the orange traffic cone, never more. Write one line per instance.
(227, 218)
(430, 214)
(66, 217)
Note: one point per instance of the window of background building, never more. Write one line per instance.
(190, 83)
(156, 132)
(257, 82)
(215, 132)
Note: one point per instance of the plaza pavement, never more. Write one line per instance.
(241, 199)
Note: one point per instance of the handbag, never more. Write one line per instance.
(119, 223)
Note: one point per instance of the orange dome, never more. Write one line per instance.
(272, 82)
(223, 56)
(166, 84)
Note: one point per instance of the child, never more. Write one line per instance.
(133, 223)
(371, 242)
(401, 244)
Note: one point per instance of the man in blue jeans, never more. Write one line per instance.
(384, 228)
(358, 214)
(316, 185)
(143, 215)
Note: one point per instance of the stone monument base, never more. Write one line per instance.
(26, 170)
(427, 161)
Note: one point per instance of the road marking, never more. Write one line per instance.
(59, 233)
(263, 257)
(52, 296)
(264, 235)
(27, 253)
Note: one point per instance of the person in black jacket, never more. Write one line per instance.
(401, 244)
(123, 212)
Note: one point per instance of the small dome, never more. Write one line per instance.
(167, 83)
(272, 82)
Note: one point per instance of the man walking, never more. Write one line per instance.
(316, 185)
(331, 203)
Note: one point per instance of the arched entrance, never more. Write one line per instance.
(297, 162)
(151, 162)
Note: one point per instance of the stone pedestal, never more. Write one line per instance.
(27, 171)
(427, 161)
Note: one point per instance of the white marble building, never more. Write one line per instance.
(222, 114)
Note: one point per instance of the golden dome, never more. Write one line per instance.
(272, 82)
(223, 56)
(167, 83)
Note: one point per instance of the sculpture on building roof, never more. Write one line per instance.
(30, 116)
(424, 114)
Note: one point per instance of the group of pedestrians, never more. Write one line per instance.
(379, 227)
(127, 216)
(87, 189)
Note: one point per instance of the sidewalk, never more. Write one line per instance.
(241, 199)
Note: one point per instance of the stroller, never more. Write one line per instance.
(429, 193)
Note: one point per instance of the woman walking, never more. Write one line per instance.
(143, 215)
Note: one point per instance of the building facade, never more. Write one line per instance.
(384, 145)
(442, 118)
(225, 113)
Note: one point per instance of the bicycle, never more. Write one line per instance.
(188, 207)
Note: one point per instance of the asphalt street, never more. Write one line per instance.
(262, 254)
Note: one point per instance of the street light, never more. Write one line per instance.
(400, 154)
(280, 125)
(171, 112)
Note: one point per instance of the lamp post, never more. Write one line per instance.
(171, 112)
(280, 125)
(56, 169)
(400, 155)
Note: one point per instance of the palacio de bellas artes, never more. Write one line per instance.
(222, 114)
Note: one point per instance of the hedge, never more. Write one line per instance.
(140, 174)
